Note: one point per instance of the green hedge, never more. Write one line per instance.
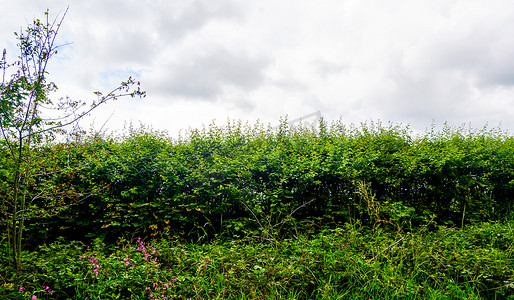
(238, 179)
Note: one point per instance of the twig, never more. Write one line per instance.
(388, 248)
(256, 219)
(298, 239)
(510, 284)
(262, 238)
(292, 212)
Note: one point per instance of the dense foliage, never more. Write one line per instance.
(251, 212)
(239, 179)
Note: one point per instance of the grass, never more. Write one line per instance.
(348, 262)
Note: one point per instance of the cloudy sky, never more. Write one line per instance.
(401, 61)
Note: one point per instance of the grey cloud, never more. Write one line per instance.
(450, 76)
(485, 53)
(438, 96)
(326, 68)
(174, 23)
(420, 91)
(129, 34)
(501, 76)
(131, 47)
(205, 74)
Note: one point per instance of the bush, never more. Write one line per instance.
(238, 179)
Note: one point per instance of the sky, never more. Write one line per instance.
(415, 63)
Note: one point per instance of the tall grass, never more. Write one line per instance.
(348, 262)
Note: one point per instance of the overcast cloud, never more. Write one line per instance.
(401, 61)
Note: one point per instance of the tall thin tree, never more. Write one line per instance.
(29, 117)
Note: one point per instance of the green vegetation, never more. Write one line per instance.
(348, 262)
(246, 212)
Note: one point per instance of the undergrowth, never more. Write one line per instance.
(349, 262)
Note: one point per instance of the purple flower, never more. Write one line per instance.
(34, 297)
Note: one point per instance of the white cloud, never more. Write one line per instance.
(204, 73)
(401, 61)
